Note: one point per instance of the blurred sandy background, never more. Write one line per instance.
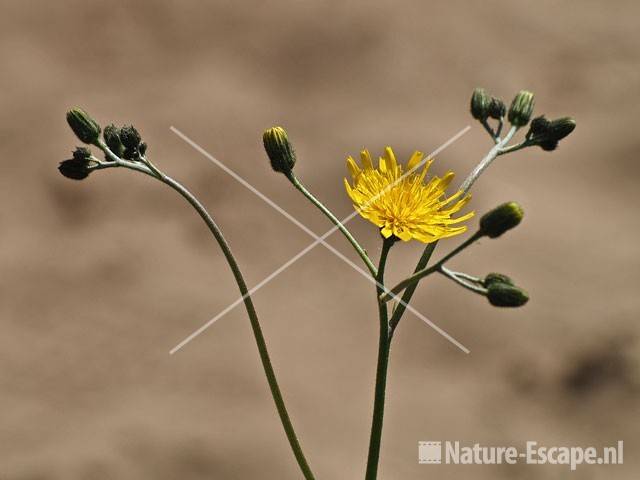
(101, 278)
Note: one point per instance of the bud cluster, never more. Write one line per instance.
(79, 166)
(484, 106)
(502, 292)
(547, 133)
(124, 142)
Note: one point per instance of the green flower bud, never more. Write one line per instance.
(504, 295)
(79, 167)
(521, 108)
(480, 104)
(492, 278)
(501, 219)
(497, 108)
(85, 127)
(279, 150)
(111, 137)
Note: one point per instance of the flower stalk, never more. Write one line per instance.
(384, 344)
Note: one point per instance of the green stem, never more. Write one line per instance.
(381, 370)
(408, 293)
(152, 171)
(255, 324)
(420, 274)
(358, 248)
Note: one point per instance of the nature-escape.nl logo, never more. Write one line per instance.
(453, 453)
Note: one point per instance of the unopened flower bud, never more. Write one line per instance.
(501, 219)
(539, 126)
(130, 137)
(79, 167)
(497, 108)
(560, 128)
(521, 108)
(493, 277)
(279, 150)
(111, 137)
(504, 295)
(85, 127)
(480, 104)
(548, 145)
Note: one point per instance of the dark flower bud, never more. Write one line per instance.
(560, 128)
(79, 167)
(279, 150)
(480, 104)
(81, 153)
(504, 295)
(492, 278)
(111, 137)
(501, 219)
(548, 145)
(130, 137)
(521, 108)
(497, 108)
(85, 127)
(539, 126)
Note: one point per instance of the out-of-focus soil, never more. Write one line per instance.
(101, 278)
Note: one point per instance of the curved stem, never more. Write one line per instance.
(255, 324)
(384, 344)
(148, 168)
(338, 224)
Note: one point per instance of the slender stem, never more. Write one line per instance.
(464, 282)
(494, 135)
(384, 344)
(255, 325)
(152, 171)
(486, 161)
(420, 274)
(498, 149)
(358, 248)
(409, 291)
(519, 146)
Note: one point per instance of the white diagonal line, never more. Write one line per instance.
(317, 241)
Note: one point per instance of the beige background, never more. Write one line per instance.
(101, 278)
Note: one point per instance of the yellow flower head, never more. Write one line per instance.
(404, 205)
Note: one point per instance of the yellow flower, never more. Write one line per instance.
(404, 205)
